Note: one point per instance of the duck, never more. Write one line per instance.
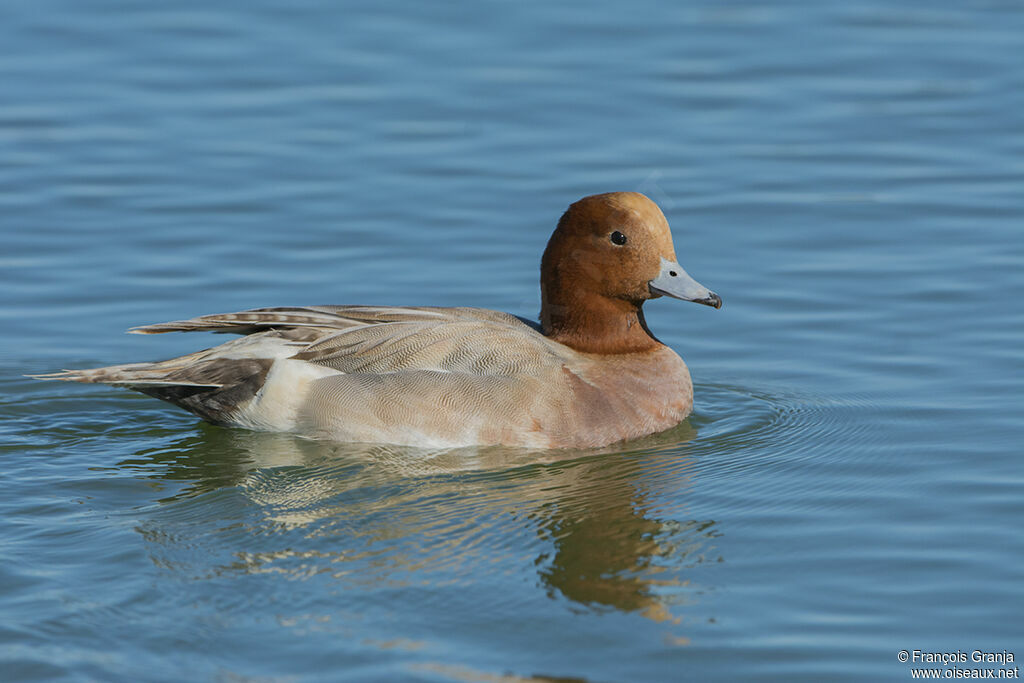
(588, 374)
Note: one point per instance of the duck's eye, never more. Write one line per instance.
(618, 238)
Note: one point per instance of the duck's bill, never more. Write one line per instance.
(673, 281)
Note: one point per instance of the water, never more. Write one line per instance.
(848, 177)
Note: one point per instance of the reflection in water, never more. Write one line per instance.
(374, 515)
(608, 552)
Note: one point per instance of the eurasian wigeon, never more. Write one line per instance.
(591, 373)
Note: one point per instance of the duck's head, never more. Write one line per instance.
(609, 254)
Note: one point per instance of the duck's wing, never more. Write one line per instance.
(324, 318)
(388, 339)
(472, 347)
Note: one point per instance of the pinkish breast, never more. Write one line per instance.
(617, 397)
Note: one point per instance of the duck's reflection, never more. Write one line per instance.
(601, 529)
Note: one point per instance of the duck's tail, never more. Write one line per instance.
(132, 375)
(204, 383)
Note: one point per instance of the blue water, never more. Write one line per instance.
(848, 176)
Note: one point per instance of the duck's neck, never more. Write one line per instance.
(596, 324)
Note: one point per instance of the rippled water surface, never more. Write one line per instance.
(848, 176)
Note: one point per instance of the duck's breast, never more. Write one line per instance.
(617, 397)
